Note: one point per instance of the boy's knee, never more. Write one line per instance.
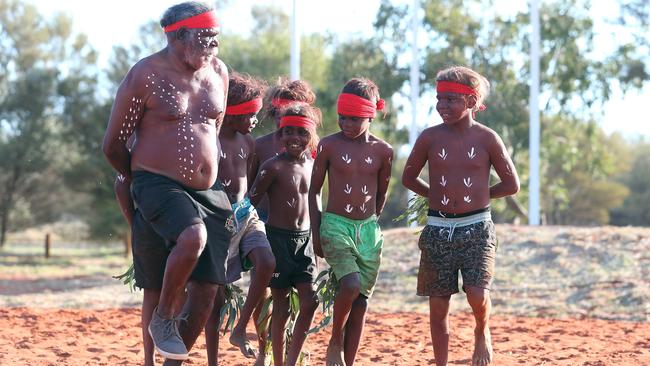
(265, 263)
(309, 304)
(350, 285)
(477, 296)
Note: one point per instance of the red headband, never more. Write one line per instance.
(252, 106)
(296, 121)
(450, 86)
(202, 21)
(356, 106)
(280, 102)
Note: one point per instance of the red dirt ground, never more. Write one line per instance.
(112, 337)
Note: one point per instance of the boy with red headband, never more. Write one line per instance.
(285, 180)
(459, 234)
(358, 167)
(280, 96)
(249, 241)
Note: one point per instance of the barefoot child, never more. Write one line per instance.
(285, 92)
(459, 234)
(358, 166)
(249, 241)
(285, 180)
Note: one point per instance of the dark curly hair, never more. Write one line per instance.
(298, 90)
(243, 87)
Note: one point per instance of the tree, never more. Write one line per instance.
(32, 55)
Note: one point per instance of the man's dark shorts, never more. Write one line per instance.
(447, 246)
(294, 257)
(165, 209)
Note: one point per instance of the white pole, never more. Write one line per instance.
(295, 44)
(533, 203)
(415, 80)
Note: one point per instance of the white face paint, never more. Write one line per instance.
(471, 154)
(346, 159)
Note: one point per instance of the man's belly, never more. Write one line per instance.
(193, 162)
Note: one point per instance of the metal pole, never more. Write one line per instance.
(415, 80)
(534, 187)
(295, 44)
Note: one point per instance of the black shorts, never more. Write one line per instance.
(294, 257)
(165, 209)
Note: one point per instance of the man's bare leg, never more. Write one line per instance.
(149, 302)
(349, 287)
(279, 323)
(439, 323)
(197, 308)
(180, 264)
(308, 305)
(479, 300)
(264, 265)
(212, 328)
(354, 329)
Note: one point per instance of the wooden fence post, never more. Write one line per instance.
(48, 242)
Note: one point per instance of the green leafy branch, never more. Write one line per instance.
(232, 307)
(416, 212)
(128, 277)
(326, 292)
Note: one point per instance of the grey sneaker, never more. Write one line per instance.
(166, 337)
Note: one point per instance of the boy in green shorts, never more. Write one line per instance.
(358, 166)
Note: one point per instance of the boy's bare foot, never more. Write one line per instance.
(240, 340)
(334, 355)
(482, 349)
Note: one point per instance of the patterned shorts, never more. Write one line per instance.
(447, 249)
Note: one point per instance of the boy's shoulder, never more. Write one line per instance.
(380, 144)
(268, 138)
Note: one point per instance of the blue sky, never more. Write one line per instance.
(109, 23)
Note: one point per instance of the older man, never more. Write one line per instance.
(175, 100)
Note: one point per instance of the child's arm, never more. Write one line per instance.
(383, 180)
(263, 181)
(251, 163)
(123, 195)
(411, 174)
(315, 205)
(504, 167)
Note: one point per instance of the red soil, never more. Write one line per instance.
(112, 337)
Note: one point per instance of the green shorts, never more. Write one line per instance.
(352, 246)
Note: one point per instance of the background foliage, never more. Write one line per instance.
(55, 101)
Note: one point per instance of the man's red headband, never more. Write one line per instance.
(252, 106)
(202, 21)
(296, 121)
(451, 87)
(356, 106)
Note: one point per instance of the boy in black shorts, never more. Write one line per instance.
(285, 180)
